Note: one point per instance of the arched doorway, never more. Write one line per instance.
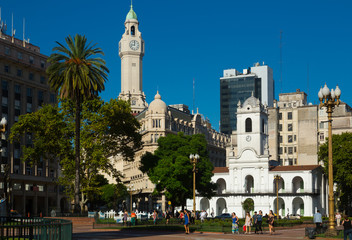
(297, 185)
(249, 184)
(298, 206)
(204, 205)
(281, 207)
(281, 185)
(221, 184)
(221, 206)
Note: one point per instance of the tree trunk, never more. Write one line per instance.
(77, 154)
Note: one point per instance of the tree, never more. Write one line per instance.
(108, 129)
(342, 166)
(76, 74)
(170, 168)
(248, 205)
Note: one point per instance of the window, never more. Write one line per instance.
(52, 173)
(52, 98)
(290, 161)
(289, 127)
(132, 30)
(29, 107)
(31, 59)
(42, 64)
(29, 92)
(263, 126)
(4, 101)
(17, 153)
(18, 88)
(42, 79)
(7, 69)
(17, 186)
(295, 161)
(289, 115)
(31, 76)
(4, 151)
(7, 51)
(322, 125)
(280, 139)
(19, 55)
(290, 150)
(321, 137)
(280, 127)
(28, 171)
(295, 149)
(40, 171)
(17, 105)
(294, 138)
(19, 72)
(4, 85)
(289, 138)
(248, 125)
(280, 150)
(285, 149)
(280, 116)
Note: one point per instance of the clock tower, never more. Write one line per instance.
(131, 52)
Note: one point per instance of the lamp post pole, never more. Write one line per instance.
(130, 189)
(277, 178)
(330, 99)
(194, 159)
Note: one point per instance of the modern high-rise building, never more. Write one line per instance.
(24, 89)
(236, 87)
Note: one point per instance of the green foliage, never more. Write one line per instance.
(342, 165)
(248, 205)
(107, 129)
(170, 168)
(77, 74)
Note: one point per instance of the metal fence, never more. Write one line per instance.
(35, 228)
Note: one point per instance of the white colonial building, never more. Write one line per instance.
(251, 175)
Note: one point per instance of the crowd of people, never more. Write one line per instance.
(254, 221)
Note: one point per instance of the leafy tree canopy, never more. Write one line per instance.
(107, 129)
(342, 165)
(171, 170)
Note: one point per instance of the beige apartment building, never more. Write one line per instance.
(24, 89)
(297, 129)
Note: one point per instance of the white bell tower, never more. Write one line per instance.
(252, 124)
(131, 52)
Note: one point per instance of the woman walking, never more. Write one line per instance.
(248, 222)
(235, 224)
(271, 222)
(186, 217)
(155, 217)
(347, 228)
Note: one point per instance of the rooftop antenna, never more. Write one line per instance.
(13, 31)
(281, 61)
(24, 29)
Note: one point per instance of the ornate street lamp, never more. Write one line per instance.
(130, 189)
(330, 99)
(194, 159)
(277, 178)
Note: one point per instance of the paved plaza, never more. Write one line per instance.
(82, 233)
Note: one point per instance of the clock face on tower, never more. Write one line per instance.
(248, 138)
(134, 45)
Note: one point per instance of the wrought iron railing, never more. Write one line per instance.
(35, 228)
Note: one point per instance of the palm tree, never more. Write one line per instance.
(77, 74)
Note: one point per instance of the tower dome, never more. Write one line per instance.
(252, 101)
(157, 105)
(131, 14)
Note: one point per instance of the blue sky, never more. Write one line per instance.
(197, 39)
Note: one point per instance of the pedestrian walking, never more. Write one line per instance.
(193, 216)
(338, 218)
(259, 222)
(254, 220)
(155, 217)
(318, 220)
(248, 223)
(235, 224)
(125, 216)
(133, 219)
(167, 217)
(271, 222)
(347, 228)
(186, 224)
